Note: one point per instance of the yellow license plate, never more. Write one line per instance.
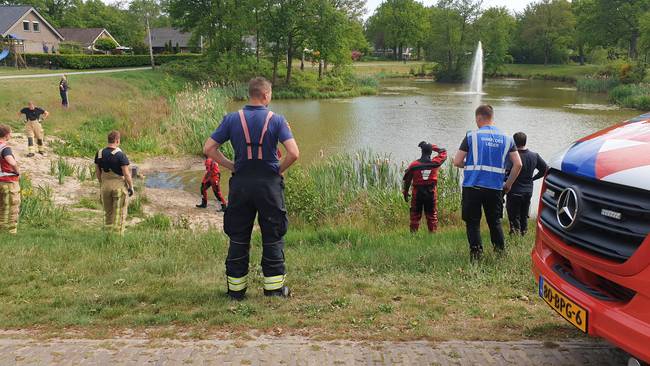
(569, 310)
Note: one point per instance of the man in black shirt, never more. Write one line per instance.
(116, 183)
(33, 127)
(518, 202)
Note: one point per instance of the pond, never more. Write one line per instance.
(552, 114)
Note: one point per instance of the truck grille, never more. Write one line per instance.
(613, 219)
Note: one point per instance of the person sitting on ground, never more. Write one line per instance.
(114, 176)
(212, 178)
(33, 127)
(423, 173)
(483, 155)
(9, 185)
(518, 199)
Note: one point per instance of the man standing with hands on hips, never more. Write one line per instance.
(256, 188)
(483, 154)
(33, 127)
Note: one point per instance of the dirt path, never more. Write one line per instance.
(269, 350)
(58, 74)
(179, 205)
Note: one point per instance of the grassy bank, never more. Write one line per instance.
(347, 284)
(569, 73)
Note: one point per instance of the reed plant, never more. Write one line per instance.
(362, 190)
(596, 84)
(196, 113)
(37, 208)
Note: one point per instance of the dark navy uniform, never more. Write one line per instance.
(256, 189)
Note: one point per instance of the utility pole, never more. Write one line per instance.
(153, 63)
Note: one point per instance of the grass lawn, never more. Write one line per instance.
(570, 71)
(347, 284)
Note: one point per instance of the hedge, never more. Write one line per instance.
(81, 62)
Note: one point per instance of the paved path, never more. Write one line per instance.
(269, 350)
(57, 74)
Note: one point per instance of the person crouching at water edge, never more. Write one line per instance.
(256, 188)
(116, 184)
(212, 178)
(482, 154)
(9, 185)
(423, 174)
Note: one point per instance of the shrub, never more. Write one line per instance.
(80, 62)
(105, 44)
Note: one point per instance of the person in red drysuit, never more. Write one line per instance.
(211, 179)
(423, 174)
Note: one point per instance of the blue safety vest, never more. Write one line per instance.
(488, 149)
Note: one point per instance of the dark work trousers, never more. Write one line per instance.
(64, 98)
(424, 199)
(518, 205)
(491, 202)
(255, 191)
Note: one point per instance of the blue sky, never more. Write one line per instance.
(515, 5)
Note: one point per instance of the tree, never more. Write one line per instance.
(328, 27)
(495, 29)
(452, 37)
(547, 27)
(608, 22)
(397, 24)
(644, 40)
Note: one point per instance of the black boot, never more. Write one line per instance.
(237, 295)
(283, 292)
(223, 208)
(204, 204)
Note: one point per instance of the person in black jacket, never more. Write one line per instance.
(518, 199)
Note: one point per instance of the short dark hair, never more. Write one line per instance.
(4, 131)
(113, 137)
(258, 86)
(520, 139)
(486, 111)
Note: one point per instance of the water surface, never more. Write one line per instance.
(552, 114)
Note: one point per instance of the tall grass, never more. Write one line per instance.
(597, 84)
(196, 113)
(361, 190)
(37, 208)
(632, 96)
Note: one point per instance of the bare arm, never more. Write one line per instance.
(126, 172)
(293, 154)
(45, 115)
(514, 172)
(211, 150)
(98, 173)
(459, 159)
(12, 161)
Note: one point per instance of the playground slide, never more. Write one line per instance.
(4, 54)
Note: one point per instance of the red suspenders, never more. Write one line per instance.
(249, 144)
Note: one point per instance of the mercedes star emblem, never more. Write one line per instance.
(568, 208)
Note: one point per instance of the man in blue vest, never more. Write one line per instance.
(256, 188)
(483, 154)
